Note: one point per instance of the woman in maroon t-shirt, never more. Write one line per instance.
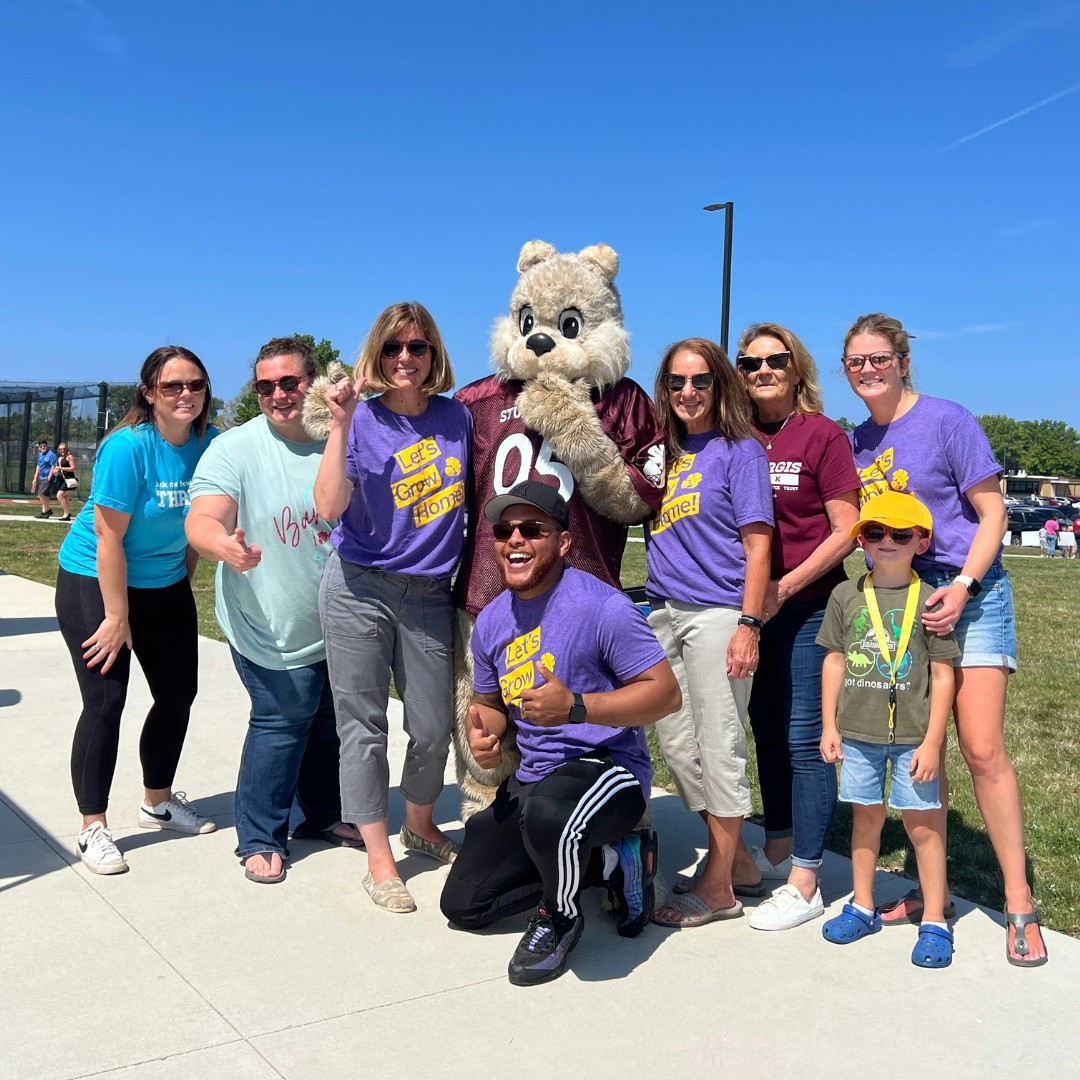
(815, 499)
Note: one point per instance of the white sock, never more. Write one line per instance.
(868, 912)
(611, 860)
(939, 925)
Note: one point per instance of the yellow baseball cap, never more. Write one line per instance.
(895, 509)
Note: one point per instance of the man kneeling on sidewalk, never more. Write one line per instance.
(573, 662)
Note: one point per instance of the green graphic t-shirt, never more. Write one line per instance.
(863, 709)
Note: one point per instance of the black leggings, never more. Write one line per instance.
(164, 630)
(541, 841)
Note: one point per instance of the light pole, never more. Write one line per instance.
(725, 303)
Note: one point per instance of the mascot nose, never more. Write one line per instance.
(539, 344)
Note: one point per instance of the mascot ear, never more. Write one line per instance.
(603, 258)
(535, 251)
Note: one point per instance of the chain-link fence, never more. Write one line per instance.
(78, 414)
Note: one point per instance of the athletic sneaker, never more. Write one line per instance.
(630, 886)
(96, 849)
(176, 814)
(542, 951)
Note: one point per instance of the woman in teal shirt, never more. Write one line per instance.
(124, 586)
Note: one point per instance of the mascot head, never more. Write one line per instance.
(565, 318)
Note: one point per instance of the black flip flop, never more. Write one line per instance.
(276, 879)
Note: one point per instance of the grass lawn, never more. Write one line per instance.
(1042, 725)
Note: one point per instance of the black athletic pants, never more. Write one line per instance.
(541, 841)
(164, 631)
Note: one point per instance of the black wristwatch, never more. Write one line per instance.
(973, 586)
(751, 620)
(578, 712)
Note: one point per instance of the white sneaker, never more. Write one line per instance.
(98, 852)
(780, 870)
(787, 908)
(176, 814)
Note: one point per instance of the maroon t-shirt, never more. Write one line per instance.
(505, 452)
(809, 463)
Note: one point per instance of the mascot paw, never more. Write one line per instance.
(316, 412)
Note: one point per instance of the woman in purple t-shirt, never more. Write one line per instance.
(815, 499)
(936, 450)
(708, 560)
(393, 470)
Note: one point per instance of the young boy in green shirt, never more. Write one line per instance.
(886, 691)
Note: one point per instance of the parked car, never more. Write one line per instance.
(1024, 519)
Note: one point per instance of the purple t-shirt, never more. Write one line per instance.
(694, 550)
(594, 638)
(407, 510)
(936, 451)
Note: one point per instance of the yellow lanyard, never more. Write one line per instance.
(906, 627)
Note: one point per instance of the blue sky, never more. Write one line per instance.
(215, 174)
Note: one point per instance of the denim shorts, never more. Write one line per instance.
(862, 777)
(986, 632)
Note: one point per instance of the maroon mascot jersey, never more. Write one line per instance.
(505, 452)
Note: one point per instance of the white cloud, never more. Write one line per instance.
(1015, 116)
(963, 331)
(993, 44)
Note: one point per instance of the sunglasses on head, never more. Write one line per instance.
(778, 361)
(874, 534)
(416, 348)
(175, 389)
(288, 383)
(530, 530)
(703, 381)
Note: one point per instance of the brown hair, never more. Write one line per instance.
(887, 327)
(807, 390)
(288, 346)
(391, 322)
(731, 406)
(141, 411)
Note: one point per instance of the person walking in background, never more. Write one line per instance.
(937, 450)
(63, 472)
(42, 483)
(815, 499)
(124, 586)
(253, 512)
(1052, 527)
(394, 470)
(707, 610)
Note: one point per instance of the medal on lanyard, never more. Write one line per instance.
(906, 627)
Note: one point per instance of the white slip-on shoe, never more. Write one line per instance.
(98, 852)
(780, 870)
(787, 908)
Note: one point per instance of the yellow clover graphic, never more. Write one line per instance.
(453, 466)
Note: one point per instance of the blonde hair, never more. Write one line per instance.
(889, 328)
(808, 390)
(385, 328)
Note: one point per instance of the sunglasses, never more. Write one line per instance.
(703, 381)
(175, 389)
(288, 383)
(854, 362)
(530, 530)
(778, 361)
(874, 534)
(416, 348)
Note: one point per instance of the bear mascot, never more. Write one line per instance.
(558, 409)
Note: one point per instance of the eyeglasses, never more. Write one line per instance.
(175, 389)
(530, 530)
(703, 381)
(778, 361)
(288, 383)
(854, 362)
(417, 347)
(874, 534)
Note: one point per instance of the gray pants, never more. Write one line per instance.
(376, 622)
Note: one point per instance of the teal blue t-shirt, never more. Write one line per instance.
(270, 614)
(138, 473)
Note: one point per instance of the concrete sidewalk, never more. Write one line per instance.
(181, 969)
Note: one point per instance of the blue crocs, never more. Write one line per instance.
(850, 925)
(934, 948)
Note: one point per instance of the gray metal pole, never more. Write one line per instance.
(725, 302)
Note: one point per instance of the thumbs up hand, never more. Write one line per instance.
(547, 705)
(484, 746)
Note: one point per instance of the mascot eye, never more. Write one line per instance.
(526, 321)
(571, 322)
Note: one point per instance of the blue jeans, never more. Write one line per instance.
(798, 789)
(288, 780)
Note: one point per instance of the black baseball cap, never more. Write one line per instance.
(531, 493)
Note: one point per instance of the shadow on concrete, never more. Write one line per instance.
(15, 627)
(10, 697)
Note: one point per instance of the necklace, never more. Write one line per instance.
(769, 438)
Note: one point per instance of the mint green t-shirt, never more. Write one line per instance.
(270, 614)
